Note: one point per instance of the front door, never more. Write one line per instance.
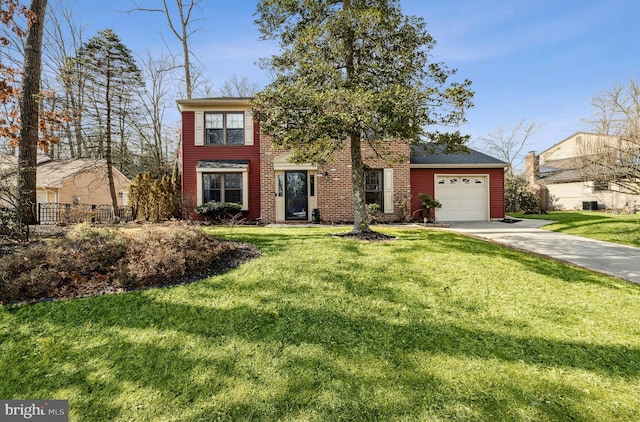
(296, 196)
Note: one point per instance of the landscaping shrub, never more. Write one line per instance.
(90, 260)
(219, 210)
(168, 255)
(29, 275)
(88, 249)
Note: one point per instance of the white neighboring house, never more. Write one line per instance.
(571, 183)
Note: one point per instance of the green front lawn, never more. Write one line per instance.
(432, 326)
(623, 228)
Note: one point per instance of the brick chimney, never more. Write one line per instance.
(532, 168)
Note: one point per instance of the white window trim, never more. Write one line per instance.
(245, 183)
(199, 131)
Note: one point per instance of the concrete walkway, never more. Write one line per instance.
(609, 258)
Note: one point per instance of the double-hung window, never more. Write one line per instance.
(373, 189)
(222, 187)
(224, 128)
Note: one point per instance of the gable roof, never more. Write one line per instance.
(420, 158)
(9, 163)
(51, 174)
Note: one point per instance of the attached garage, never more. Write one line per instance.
(463, 197)
(470, 186)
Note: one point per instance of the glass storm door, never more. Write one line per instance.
(296, 198)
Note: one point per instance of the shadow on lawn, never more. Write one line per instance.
(299, 352)
(254, 362)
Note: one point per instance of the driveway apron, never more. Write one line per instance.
(609, 258)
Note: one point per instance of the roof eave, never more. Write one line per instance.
(459, 166)
(191, 104)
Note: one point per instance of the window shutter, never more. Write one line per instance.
(248, 127)
(199, 129)
(199, 193)
(388, 191)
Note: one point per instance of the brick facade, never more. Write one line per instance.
(333, 187)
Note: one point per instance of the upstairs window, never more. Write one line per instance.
(600, 185)
(224, 128)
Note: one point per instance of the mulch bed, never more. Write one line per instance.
(368, 236)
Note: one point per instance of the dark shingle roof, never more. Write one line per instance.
(473, 158)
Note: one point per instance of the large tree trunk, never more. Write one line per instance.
(108, 150)
(29, 114)
(360, 220)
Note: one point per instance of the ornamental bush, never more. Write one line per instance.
(219, 209)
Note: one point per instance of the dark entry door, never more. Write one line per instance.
(296, 198)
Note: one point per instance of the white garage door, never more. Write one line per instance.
(463, 198)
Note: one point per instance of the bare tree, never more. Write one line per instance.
(238, 87)
(153, 96)
(509, 145)
(605, 119)
(182, 28)
(614, 159)
(30, 112)
(64, 37)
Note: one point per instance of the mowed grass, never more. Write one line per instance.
(432, 326)
(622, 228)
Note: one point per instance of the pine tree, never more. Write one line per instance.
(112, 76)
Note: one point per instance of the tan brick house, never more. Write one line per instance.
(81, 180)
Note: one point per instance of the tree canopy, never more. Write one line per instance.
(354, 71)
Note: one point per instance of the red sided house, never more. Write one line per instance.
(225, 158)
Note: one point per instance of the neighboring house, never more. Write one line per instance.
(79, 181)
(226, 158)
(569, 180)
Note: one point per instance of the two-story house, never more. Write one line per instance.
(581, 173)
(225, 158)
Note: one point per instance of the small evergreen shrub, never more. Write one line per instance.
(221, 212)
(427, 202)
(218, 209)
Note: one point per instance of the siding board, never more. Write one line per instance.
(192, 153)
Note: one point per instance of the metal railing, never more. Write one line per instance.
(54, 213)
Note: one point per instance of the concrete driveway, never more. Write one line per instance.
(609, 258)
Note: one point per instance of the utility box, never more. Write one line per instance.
(315, 216)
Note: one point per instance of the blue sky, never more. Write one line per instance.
(539, 60)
